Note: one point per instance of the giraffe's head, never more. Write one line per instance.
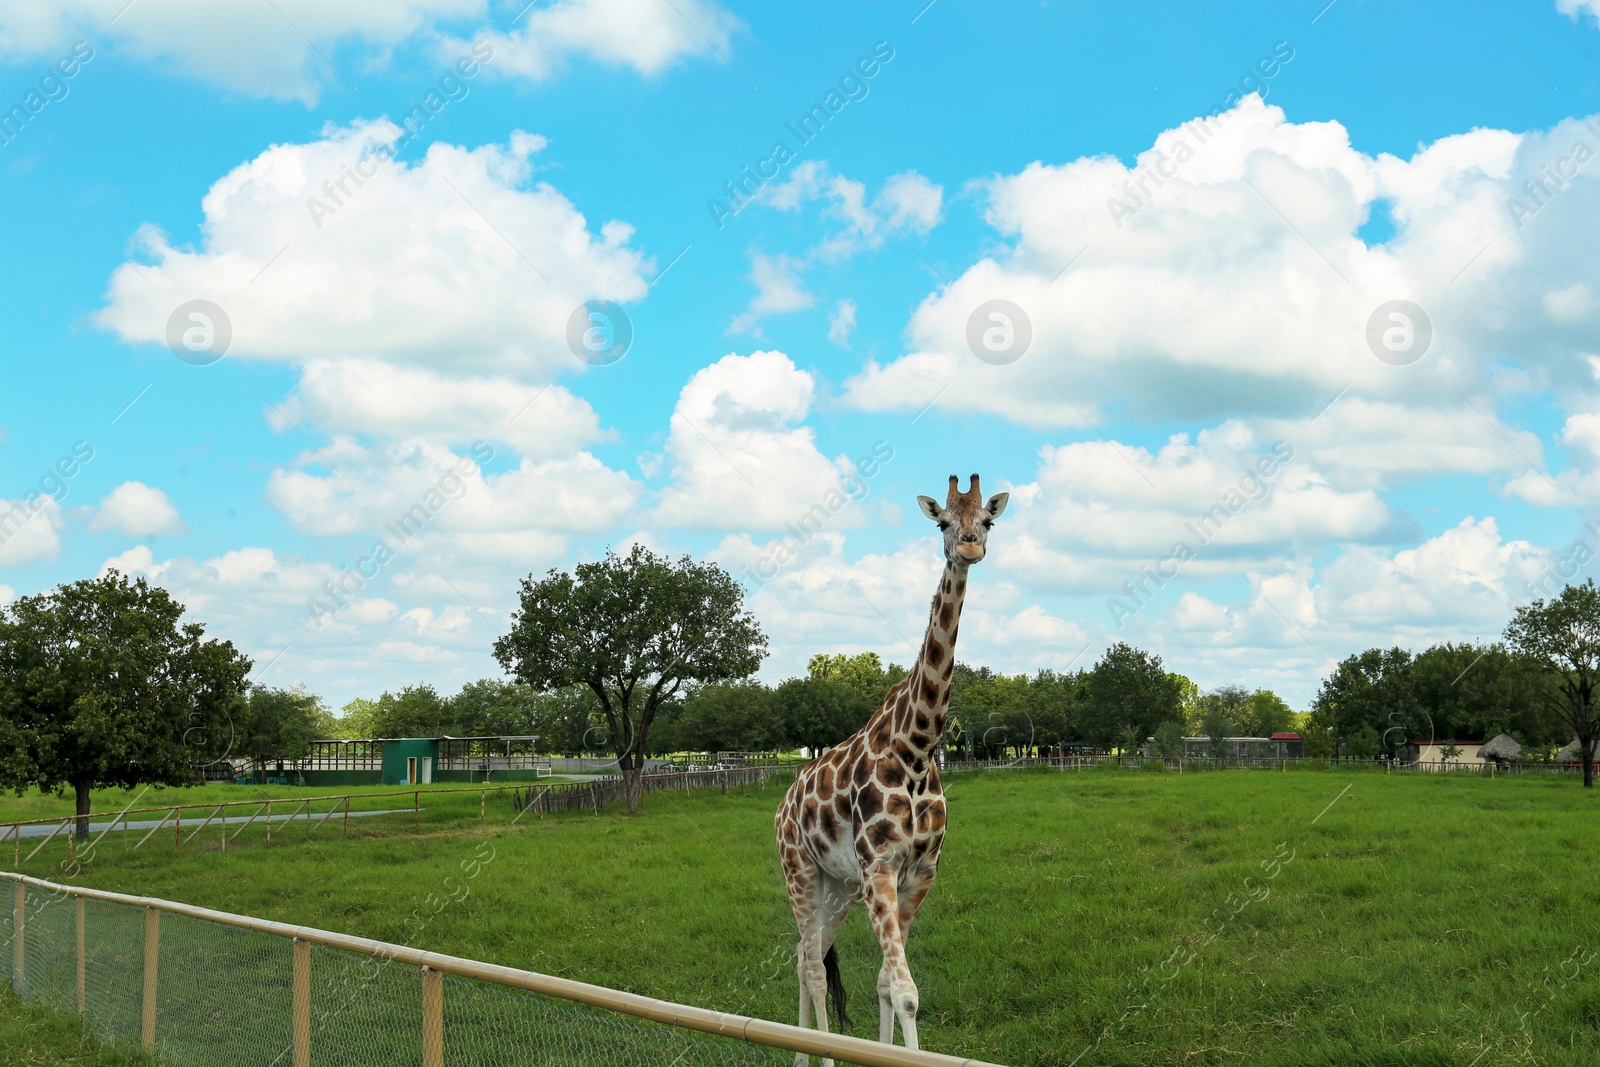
(965, 520)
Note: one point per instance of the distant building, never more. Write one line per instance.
(1572, 754)
(1278, 746)
(1424, 753)
(411, 761)
(1294, 746)
(1502, 749)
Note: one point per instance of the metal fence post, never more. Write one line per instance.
(152, 942)
(18, 959)
(432, 1018)
(302, 1003)
(83, 960)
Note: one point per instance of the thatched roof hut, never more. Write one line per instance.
(1501, 748)
(1570, 753)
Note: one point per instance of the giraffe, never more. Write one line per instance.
(866, 819)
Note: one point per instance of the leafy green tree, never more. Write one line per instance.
(1263, 714)
(1371, 691)
(492, 707)
(1188, 702)
(1216, 728)
(102, 685)
(821, 712)
(1365, 743)
(997, 712)
(1472, 690)
(569, 720)
(635, 630)
(358, 720)
(1169, 739)
(1053, 698)
(737, 715)
(1224, 709)
(277, 724)
(1562, 635)
(1128, 688)
(415, 711)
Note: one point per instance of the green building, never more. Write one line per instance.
(420, 761)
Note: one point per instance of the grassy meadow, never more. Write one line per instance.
(1098, 918)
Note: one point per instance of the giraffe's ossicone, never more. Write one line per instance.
(865, 819)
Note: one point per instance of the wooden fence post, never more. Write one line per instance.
(347, 816)
(416, 810)
(302, 1003)
(18, 960)
(269, 822)
(83, 959)
(152, 942)
(432, 1018)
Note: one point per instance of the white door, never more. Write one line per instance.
(427, 770)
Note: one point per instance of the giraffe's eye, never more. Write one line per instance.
(987, 523)
(944, 524)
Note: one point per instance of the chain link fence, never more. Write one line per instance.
(200, 988)
(594, 795)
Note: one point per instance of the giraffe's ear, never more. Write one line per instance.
(997, 504)
(930, 507)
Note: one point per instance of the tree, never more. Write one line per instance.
(416, 711)
(1127, 687)
(1369, 704)
(492, 707)
(1263, 714)
(1478, 691)
(278, 724)
(635, 630)
(1562, 635)
(100, 685)
(358, 720)
(1169, 739)
(735, 715)
(1216, 729)
(821, 712)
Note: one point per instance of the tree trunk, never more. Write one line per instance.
(1586, 753)
(81, 827)
(633, 785)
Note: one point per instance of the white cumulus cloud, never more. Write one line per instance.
(138, 510)
(296, 49)
(452, 262)
(741, 455)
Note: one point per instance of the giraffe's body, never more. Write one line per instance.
(865, 820)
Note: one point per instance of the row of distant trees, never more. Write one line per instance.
(1375, 702)
(103, 684)
(1540, 685)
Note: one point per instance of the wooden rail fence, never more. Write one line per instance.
(77, 947)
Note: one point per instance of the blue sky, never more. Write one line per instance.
(1200, 302)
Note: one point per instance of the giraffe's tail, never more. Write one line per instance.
(830, 964)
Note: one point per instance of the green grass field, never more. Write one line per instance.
(1149, 918)
(37, 1037)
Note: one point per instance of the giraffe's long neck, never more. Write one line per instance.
(917, 721)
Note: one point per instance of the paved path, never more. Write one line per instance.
(191, 821)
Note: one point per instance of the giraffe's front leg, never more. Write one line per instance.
(897, 993)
